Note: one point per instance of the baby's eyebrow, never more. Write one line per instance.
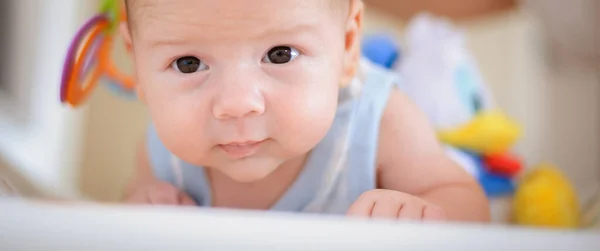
(259, 34)
(304, 27)
(170, 41)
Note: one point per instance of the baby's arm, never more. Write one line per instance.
(145, 188)
(416, 175)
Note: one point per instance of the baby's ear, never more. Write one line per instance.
(352, 41)
(125, 33)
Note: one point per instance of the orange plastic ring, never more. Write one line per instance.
(76, 93)
(109, 67)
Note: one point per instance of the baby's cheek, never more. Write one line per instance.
(307, 118)
(181, 126)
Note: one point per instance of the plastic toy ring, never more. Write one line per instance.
(71, 54)
(73, 89)
(89, 58)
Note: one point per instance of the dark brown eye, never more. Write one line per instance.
(281, 55)
(188, 65)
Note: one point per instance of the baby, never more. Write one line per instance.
(266, 104)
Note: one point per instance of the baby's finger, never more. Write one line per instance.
(363, 206)
(411, 211)
(434, 213)
(386, 209)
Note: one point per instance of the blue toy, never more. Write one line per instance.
(493, 185)
(381, 50)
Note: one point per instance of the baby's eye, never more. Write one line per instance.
(281, 55)
(188, 65)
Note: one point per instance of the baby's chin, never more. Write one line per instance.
(250, 169)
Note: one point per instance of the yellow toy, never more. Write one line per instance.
(546, 198)
(489, 132)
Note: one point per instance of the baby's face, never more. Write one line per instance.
(240, 86)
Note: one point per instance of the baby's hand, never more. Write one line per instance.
(393, 204)
(160, 193)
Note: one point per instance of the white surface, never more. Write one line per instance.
(36, 226)
(45, 149)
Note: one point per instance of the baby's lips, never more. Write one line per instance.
(246, 149)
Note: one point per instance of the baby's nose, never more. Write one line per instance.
(242, 101)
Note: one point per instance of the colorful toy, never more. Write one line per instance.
(488, 132)
(503, 164)
(546, 198)
(440, 76)
(88, 59)
(493, 184)
(382, 50)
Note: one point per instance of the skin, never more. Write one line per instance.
(238, 97)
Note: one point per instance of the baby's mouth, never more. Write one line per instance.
(238, 150)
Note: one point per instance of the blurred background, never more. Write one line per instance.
(540, 58)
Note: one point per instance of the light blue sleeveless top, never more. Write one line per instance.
(340, 168)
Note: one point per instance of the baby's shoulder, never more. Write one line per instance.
(382, 85)
(404, 131)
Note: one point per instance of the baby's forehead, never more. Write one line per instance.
(139, 10)
(232, 19)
